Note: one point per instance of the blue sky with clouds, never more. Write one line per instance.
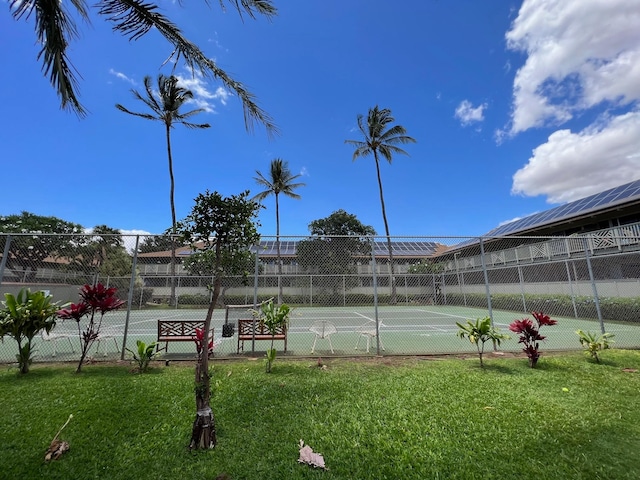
(516, 106)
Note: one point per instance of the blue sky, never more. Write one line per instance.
(516, 106)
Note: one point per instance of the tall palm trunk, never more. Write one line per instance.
(386, 229)
(278, 251)
(172, 265)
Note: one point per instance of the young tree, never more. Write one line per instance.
(56, 28)
(280, 180)
(223, 228)
(165, 104)
(480, 332)
(337, 242)
(380, 138)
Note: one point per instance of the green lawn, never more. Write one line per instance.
(387, 418)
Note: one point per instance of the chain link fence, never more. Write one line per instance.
(350, 295)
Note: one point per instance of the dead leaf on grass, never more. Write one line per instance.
(630, 370)
(308, 456)
(56, 449)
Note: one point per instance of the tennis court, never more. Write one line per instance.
(403, 330)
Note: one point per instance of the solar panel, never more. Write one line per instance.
(619, 194)
(380, 248)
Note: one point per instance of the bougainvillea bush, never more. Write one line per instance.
(530, 334)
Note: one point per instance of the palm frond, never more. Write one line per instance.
(135, 18)
(54, 29)
(193, 125)
(146, 116)
(387, 151)
(252, 7)
(184, 116)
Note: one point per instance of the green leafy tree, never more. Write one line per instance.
(202, 263)
(480, 332)
(23, 317)
(56, 29)
(280, 180)
(227, 227)
(34, 242)
(101, 252)
(380, 138)
(155, 243)
(165, 105)
(338, 242)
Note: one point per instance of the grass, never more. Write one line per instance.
(388, 418)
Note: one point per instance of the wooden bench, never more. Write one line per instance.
(246, 333)
(178, 331)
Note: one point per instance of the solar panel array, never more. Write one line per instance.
(406, 249)
(613, 196)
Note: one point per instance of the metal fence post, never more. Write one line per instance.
(132, 283)
(375, 296)
(573, 297)
(593, 285)
(486, 279)
(5, 255)
(256, 269)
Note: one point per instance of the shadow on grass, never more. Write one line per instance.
(499, 368)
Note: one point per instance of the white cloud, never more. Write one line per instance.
(467, 114)
(580, 53)
(203, 97)
(304, 172)
(122, 76)
(570, 165)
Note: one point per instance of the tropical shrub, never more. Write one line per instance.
(273, 318)
(144, 354)
(93, 299)
(480, 332)
(23, 317)
(200, 342)
(530, 334)
(593, 344)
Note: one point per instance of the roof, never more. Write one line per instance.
(616, 196)
(268, 248)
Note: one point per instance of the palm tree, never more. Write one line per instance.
(280, 180)
(378, 140)
(165, 106)
(56, 28)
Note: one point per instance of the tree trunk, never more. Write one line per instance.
(279, 259)
(203, 434)
(392, 282)
(172, 266)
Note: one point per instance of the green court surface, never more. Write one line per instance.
(403, 330)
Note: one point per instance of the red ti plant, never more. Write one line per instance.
(530, 334)
(93, 299)
(200, 342)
